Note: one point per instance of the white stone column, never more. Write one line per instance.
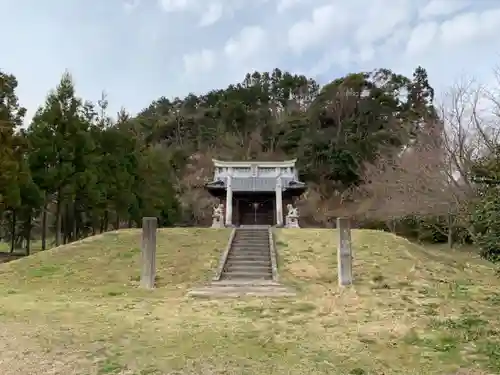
(279, 203)
(229, 203)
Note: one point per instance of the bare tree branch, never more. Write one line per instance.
(432, 177)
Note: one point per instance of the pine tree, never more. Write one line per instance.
(11, 150)
(60, 143)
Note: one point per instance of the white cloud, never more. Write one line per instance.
(239, 55)
(199, 62)
(177, 5)
(470, 26)
(396, 38)
(422, 37)
(366, 53)
(436, 8)
(380, 18)
(212, 14)
(311, 32)
(326, 38)
(460, 29)
(284, 5)
(209, 11)
(462, 44)
(130, 5)
(337, 21)
(332, 57)
(246, 45)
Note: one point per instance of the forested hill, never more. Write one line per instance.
(332, 130)
(75, 171)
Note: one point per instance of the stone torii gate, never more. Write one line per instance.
(254, 192)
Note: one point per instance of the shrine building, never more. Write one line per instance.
(255, 193)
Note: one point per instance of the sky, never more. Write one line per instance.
(139, 50)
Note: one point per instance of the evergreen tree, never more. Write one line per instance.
(11, 150)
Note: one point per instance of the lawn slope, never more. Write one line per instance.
(77, 310)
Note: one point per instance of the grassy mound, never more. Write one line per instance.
(77, 309)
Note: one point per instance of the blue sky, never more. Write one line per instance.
(139, 50)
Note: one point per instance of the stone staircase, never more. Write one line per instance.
(249, 257)
(247, 268)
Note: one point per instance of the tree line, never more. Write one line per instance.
(74, 172)
(372, 145)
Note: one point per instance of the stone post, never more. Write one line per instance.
(279, 203)
(148, 272)
(344, 252)
(229, 203)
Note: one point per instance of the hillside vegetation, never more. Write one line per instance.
(370, 145)
(78, 309)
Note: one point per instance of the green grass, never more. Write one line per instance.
(78, 309)
(35, 246)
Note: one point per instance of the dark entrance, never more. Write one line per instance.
(255, 209)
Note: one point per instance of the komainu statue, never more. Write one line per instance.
(218, 216)
(292, 217)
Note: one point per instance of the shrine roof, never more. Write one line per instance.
(256, 184)
(284, 163)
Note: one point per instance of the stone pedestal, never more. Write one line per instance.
(292, 222)
(217, 222)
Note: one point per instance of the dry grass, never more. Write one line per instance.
(77, 310)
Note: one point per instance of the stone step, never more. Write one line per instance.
(246, 275)
(247, 263)
(243, 263)
(250, 247)
(249, 254)
(241, 291)
(252, 233)
(251, 236)
(252, 230)
(246, 250)
(248, 258)
(258, 255)
(246, 268)
(251, 240)
(248, 272)
(245, 283)
(251, 243)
